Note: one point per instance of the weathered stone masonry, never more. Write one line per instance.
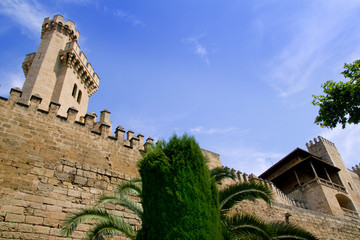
(51, 165)
(54, 159)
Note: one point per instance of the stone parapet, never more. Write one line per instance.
(71, 58)
(57, 23)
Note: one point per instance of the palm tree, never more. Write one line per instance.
(238, 226)
(106, 223)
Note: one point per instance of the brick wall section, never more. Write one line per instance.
(321, 225)
(50, 167)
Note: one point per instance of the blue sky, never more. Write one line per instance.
(237, 75)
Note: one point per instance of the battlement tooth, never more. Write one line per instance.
(105, 116)
(90, 68)
(54, 108)
(105, 130)
(83, 58)
(15, 95)
(129, 135)
(35, 101)
(71, 114)
(134, 142)
(150, 140)
(120, 133)
(141, 141)
(90, 120)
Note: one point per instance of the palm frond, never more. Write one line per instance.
(235, 193)
(83, 215)
(102, 199)
(220, 173)
(246, 226)
(112, 226)
(132, 187)
(132, 205)
(286, 231)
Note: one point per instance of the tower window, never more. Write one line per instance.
(74, 90)
(79, 97)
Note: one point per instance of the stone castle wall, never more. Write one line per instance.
(321, 225)
(52, 165)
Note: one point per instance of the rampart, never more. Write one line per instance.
(51, 165)
(283, 208)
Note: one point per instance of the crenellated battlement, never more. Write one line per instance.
(58, 24)
(72, 58)
(102, 128)
(356, 169)
(318, 140)
(280, 196)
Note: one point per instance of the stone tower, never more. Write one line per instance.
(58, 72)
(327, 151)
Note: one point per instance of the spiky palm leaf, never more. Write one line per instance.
(246, 226)
(121, 201)
(287, 231)
(220, 173)
(132, 187)
(123, 191)
(106, 223)
(100, 216)
(238, 192)
(111, 226)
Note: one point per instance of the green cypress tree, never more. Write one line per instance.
(180, 200)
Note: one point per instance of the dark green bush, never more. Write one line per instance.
(180, 200)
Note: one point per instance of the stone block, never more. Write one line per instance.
(74, 193)
(25, 227)
(34, 220)
(80, 180)
(12, 209)
(10, 217)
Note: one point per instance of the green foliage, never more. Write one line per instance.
(220, 173)
(246, 226)
(238, 192)
(105, 222)
(341, 102)
(180, 200)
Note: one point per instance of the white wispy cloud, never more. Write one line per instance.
(347, 141)
(248, 159)
(28, 14)
(12, 80)
(316, 35)
(128, 17)
(209, 131)
(197, 48)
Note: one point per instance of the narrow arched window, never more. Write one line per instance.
(79, 97)
(74, 90)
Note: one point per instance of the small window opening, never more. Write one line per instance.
(350, 186)
(79, 97)
(74, 90)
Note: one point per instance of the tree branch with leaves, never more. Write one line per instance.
(340, 103)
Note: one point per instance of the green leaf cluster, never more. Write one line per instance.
(341, 101)
(105, 223)
(180, 199)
